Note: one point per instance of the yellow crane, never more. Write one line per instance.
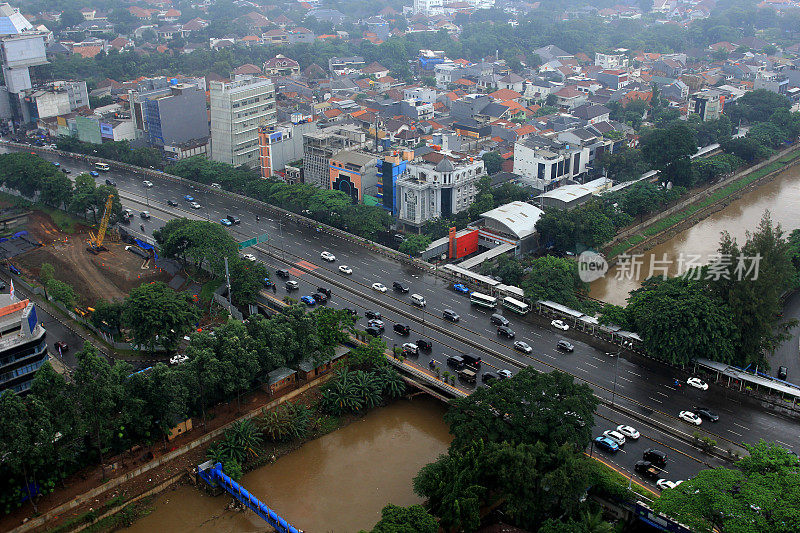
(96, 242)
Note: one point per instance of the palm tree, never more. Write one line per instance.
(276, 424)
(391, 382)
(241, 440)
(594, 523)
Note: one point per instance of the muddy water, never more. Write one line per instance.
(337, 483)
(781, 197)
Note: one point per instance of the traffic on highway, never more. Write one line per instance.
(434, 322)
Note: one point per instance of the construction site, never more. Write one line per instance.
(97, 265)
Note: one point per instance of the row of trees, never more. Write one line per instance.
(726, 311)
(114, 150)
(62, 426)
(331, 207)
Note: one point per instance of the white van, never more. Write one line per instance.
(418, 300)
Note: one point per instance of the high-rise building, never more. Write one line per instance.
(22, 344)
(283, 144)
(238, 109)
(21, 47)
(319, 146)
(170, 115)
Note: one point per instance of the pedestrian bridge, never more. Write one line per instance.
(214, 476)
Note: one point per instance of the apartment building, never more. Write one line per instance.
(319, 146)
(170, 115)
(23, 348)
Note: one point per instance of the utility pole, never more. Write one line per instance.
(228, 280)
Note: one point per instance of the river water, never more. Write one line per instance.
(338, 483)
(781, 197)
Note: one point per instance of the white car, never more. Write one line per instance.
(666, 484)
(249, 257)
(504, 374)
(559, 324)
(380, 287)
(690, 417)
(628, 431)
(344, 269)
(522, 346)
(697, 383)
(616, 436)
(178, 359)
(327, 256)
(147, 183)
(194, 205)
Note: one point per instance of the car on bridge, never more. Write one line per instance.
(604, 443)
(697, 383)
(95, 174)
(616, 436)
(225, 222)
(647, 469)
(628, 431)
(705, 412)
(522, 346)
(460, 287)
(172, 203)
(308, 300)
(327, 256)
(559, 324)
(344, 269)
(380, 287)
(189, 198)
(292, 285)
(451, 315)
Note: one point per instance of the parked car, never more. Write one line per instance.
(565, 346)
(400, 287)
(281, 273)
(559, 324)
(604, 443)
(690, 417)
(380, 287)
(697, 383)
(344, 269)
(451, 315)
(460, 287)
(327, 256)
(402, 329)
(705, 412)
(522, 346)
(292, 285)
(628, 431)
(308, 300)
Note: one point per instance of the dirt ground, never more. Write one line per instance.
(109, 275)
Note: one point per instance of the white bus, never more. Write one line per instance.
(483, 300)
(103, 167)
(515, 305)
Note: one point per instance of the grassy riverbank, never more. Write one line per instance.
(721, 194)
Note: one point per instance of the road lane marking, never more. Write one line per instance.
(731, 431)
(741, 426)
(662, 394)
(658, 401)
(591, 365)
(626, 379)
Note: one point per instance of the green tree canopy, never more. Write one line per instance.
(555, 279)
(156, 314)
(413, 519)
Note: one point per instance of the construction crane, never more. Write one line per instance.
(96, 242)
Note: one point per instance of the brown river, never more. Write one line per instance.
(338, 483)
(781, 197)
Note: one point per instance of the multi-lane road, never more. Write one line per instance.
(637, 384)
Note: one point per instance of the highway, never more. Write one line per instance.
(635, 383)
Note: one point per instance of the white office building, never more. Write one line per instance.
(426, 190)
(238, 109)
(428, 7)
(544, 162)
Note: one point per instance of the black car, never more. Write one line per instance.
(647, 469)
(782, 373)
(372, 315)
(451, 315)
(282, 273)
(319, 297)
(657, 457)
(375, 332)
(705, 412)
(323, 290)
(400, 287)
(499, 320)
(566, 346)
(350, 311)
(471, 360)
(505, 331)
(402, 329)
(424, 345)
(292, 285)
(456, 361)
(65, 170)
(234, 219)
(488, 377)
(112, 183)
(375, 323)
(172, 203)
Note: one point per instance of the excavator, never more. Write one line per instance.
(96, 241)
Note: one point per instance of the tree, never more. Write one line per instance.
(156, 313)
(555, 279)
(61, 292)
(669, 150)
(625, 165)
(46, 273)
(413, 519)
(56, 190)
(756, 106)
(746, 148)
(761, 494)
(587, 226)
(493, 161)
(415, 244)
(680, 321)
(204, 243)
(108, 316)
(247, 279)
